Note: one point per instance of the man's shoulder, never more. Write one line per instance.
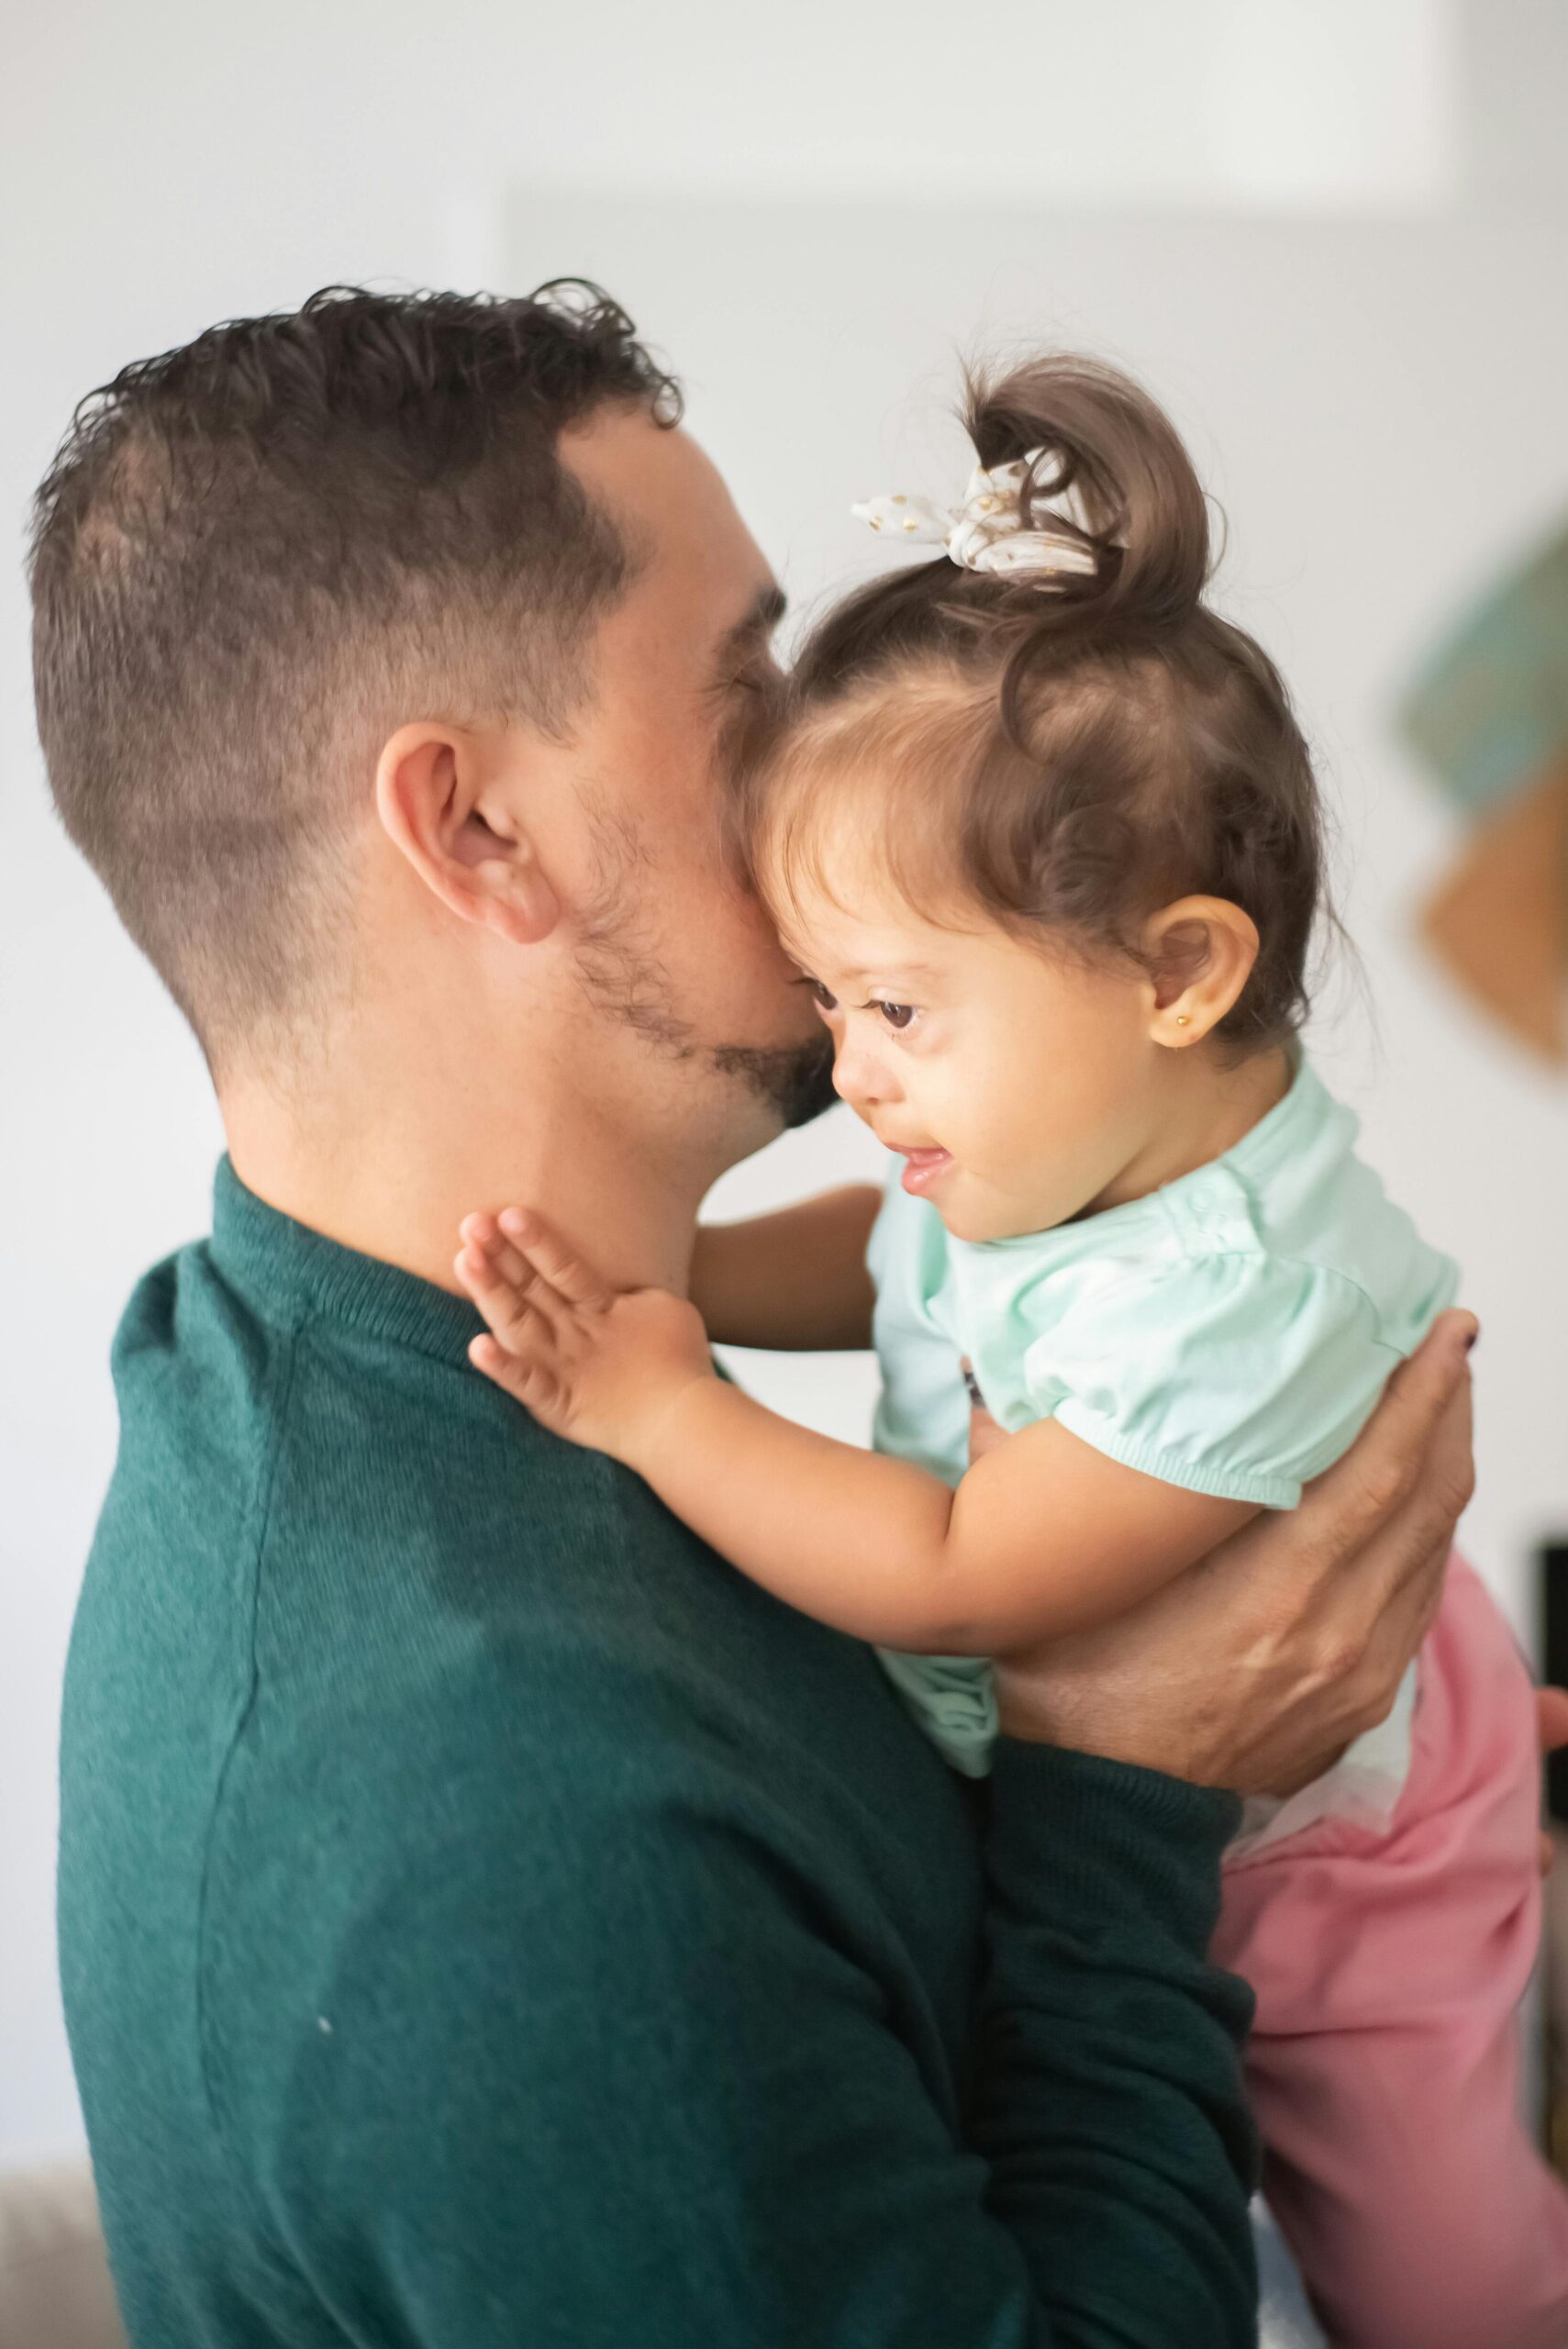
(417, 1586)
(465, 1666)
(448, 1596)
(406, 1487)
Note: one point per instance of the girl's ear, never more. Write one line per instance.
(1200, 953)
(440, 807)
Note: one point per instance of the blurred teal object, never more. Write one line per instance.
(1488, 714)
(1489, 710)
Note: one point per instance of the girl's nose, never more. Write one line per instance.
(858, 1079)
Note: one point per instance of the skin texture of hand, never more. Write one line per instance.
(1258, 1667)
(599, 1367)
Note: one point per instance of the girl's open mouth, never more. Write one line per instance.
(923, 1167)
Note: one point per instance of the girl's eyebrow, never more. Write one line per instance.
(888, 972)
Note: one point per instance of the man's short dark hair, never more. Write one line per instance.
(255, 556)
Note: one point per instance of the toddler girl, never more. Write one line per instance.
(1041, 833)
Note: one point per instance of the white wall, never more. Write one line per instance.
(1329, 236)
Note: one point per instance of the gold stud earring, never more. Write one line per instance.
(1182, 1019)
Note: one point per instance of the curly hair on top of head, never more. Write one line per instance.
(1069, 754)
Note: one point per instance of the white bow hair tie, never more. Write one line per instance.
(987, 532)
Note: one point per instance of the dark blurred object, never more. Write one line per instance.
(1489, 716)
(1554, 1660)
(1554, 2002)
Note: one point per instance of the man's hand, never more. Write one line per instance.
(600, 1367)
(1255, 1671)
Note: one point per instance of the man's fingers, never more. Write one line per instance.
(1397, 1585)
(549, 1255)
(1392, 1503)
(1412, 1549)
(1447, 1482)
(1429, 1376)
(1403, 1427)
(1394, 1639)
(1382, 1603)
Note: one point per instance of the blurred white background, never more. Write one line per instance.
(1329, 233)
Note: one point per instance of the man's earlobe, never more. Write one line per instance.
(526, 907)
(463, 844)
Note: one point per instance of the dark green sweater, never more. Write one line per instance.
(485, 1918)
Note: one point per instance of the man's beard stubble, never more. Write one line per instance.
(629, 983)
(795, 1079)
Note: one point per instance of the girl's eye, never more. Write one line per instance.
(821, 996)
(898, 1015)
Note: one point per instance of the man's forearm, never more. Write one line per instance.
(1122, 2159)
(793, 1282)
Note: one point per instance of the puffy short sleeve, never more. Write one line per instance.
(1237, 1374)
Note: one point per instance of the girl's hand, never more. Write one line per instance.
(599, 1368)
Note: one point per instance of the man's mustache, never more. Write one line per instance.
(795, 1079)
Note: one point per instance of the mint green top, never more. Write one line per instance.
(488, 1921)
(1230, 1332)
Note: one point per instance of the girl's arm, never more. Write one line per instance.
(1044, 1535)
(793, 1281)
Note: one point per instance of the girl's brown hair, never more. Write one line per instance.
(1073, 758)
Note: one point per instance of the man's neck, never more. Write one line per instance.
(394, 1182)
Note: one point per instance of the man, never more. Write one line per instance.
(485, 1917)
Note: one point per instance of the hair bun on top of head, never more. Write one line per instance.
(1005, 524)
(1082, 489)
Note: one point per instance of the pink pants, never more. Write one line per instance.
(1384, 2066)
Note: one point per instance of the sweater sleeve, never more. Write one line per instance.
(1108, 2098)
(698, 2117)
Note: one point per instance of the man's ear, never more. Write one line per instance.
(439, 803)
(1200, 952)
